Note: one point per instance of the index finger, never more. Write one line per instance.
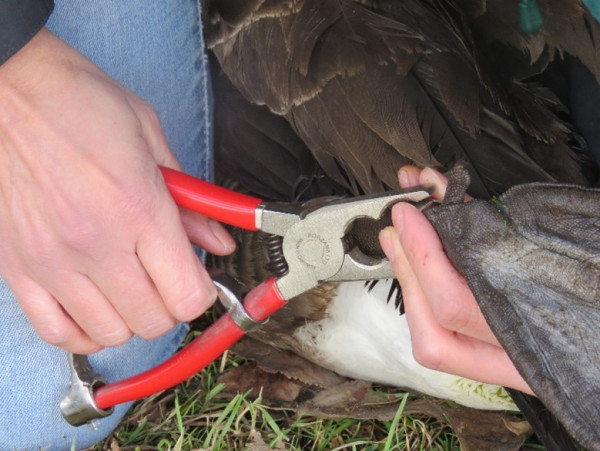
(169, 259)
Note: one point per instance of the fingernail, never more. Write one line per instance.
(429, 175)
(386, 241)
(403, 178)
(398, 217)
(221, 235)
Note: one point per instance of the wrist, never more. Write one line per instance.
(19, 73)
(43, 67)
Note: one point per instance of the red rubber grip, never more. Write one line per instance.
(259, 303)
(214, 201)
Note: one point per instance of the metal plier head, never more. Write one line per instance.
(315, 238)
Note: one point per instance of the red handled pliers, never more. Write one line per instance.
(314, 248)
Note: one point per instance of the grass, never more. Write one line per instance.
(198, 415)
(191, 417)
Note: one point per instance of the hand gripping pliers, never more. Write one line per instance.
(315, 248)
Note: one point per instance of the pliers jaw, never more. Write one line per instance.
(314, 244)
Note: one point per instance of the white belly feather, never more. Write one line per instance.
(365, 337)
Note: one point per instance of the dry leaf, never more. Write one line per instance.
(272, 386)
(309, 389)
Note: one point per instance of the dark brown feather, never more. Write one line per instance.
(371, 89)
(262, 151)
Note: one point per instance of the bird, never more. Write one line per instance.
(356, 329)
(331, 97)
(371, 86)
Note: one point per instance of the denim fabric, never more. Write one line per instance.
(155, 49)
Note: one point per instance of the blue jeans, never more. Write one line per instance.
(155, 49)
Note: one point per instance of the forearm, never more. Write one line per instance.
(20, 20)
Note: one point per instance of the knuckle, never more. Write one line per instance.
(147, 113)
(154, 329)
(451, 314)
(66, 337)
(55, 333)
(114, 336)
(35, 246)
(428, 353)
(193, 304)
(39, 249)
(138, 204)
(152, 116)
(136, 201)
(79, 231)
(107, 331)
(74, 227)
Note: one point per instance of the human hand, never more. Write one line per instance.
(92, 244)
(448, 330)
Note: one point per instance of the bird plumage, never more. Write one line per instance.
(353, 328)
(368, 86)
(369, 89)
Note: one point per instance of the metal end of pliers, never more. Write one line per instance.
(78, 405)
(231, 293)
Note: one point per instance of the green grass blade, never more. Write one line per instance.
(395, 422)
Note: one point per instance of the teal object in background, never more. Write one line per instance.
(530, 16)
(594, 7)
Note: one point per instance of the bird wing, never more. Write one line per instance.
(371, 90)
(532, 260)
